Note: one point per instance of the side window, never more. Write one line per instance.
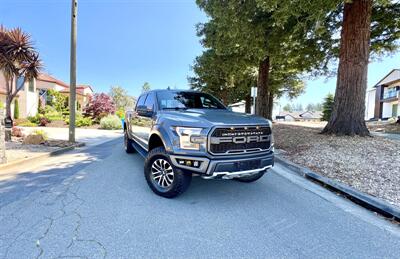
(149, 103)
(140, 101)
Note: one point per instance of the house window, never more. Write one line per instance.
(31, 85)
(390, 93)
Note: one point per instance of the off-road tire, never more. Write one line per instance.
(128, 144)
(251, 178)
(181, 180)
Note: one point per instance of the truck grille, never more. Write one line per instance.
(236, 140)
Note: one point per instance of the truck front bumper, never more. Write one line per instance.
(225, 167)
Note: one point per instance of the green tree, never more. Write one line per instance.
(121, 98)
(288, 108)
(223, 76)
(327, 107)
(16, 109)
(367, 29)
(57, 100)
(249, 30)
(146, 87)
(367, 26)
(19, 62)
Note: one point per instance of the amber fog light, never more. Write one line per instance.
(189, 163)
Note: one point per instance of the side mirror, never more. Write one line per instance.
(143, 111)
(229, 109)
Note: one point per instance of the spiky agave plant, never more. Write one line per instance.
(19, 61)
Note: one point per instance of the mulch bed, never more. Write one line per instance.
(369, 164)
(15, 149)
(62, 124)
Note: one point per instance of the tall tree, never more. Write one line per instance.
(349, 105)
(223, 76)
(367, 27)
(121, 98)
(19, 62)
(250, 30)
(355, 45)
(146, 87)
(327, 107)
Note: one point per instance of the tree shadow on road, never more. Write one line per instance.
(15, 186)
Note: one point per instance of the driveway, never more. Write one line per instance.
(94, 203)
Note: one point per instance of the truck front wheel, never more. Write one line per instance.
(162, 176)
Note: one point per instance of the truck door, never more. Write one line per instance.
(143, 120)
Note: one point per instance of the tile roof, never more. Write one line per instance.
(48, 78)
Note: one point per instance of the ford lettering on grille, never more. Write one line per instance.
(240, 140)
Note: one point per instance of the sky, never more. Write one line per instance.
(129, 42)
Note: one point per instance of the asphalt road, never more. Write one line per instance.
(94, 203)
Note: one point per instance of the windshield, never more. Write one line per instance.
(187, 100)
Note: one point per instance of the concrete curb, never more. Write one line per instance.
(384, 208)
(23, 161)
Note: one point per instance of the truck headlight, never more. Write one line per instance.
(190, 138)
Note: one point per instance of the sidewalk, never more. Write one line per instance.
(90, 137)
(16, 152)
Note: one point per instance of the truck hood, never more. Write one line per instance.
(213, 117)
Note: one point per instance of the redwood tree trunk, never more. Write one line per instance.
(349, 104)
(263, 91)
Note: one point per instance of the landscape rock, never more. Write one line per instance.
(33, 140)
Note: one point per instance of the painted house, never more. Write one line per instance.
(383, 101)
(300, 116)
(28, 97)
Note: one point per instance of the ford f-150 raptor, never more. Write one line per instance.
(183, 133)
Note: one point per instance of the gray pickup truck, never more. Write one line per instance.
(183, 133)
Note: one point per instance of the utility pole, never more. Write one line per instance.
(72, 85)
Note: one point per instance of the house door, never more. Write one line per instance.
(395, 108)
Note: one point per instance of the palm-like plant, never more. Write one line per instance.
(19, 62)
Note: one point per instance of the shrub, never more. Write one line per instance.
(54, 117)
(40, 133)
(39, 119)
(17, 122)
(16, 109)
(49, 109)
(43, 121)
(27, 124)
(17, 132)
(34, 119)
(81, 121)
(98, 105)
(1, 105)
(58, 100)
(120, 113)
(52, 114)
(110, 122)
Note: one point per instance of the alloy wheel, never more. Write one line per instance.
(162, 173)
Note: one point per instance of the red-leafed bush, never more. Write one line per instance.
(43, 121)
(98, 106)
(17, 132)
